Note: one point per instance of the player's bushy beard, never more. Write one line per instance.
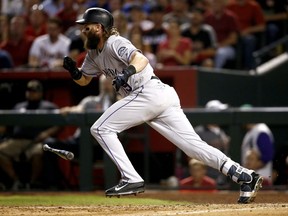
(92, 41)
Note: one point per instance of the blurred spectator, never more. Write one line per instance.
(215, 136)
(165, 4)
(180, 11)
(198, 178)
(101, 102)
(18, 44)
(260, 140)
(76, 47)
(26, 141)
(4, 26)
(253, 161)
(115, 5)
(100, 3)
(67, 14)
(28, 4)
(121, 23)
(52, 7)
(276, 17)
(136, 16)
(11, 7)
(37, 21)
(157, 34)
(203, 38)
(175, 50)
(203, 4)
(5, 60)
(48, 50)
(135, 37)
(252, 27)
(226, 26)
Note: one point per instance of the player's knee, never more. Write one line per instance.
(96, 130)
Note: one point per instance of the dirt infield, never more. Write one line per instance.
(194, 203)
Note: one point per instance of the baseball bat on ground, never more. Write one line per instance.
(67, 155)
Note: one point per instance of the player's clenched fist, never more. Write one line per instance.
(121, 79)
(70, 65)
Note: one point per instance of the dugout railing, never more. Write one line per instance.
(233, 119)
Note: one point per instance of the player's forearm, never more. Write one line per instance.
(139, 61)
(83, 81)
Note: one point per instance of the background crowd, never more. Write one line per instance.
(209, 33)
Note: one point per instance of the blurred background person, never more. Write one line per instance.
(114, 5)
(198, 178)
(253, 161)
(215, 136)
(18, 44)
(4, 26)
(52, 7)
(121, 23)
(203, 38)
(259, 143)
(226, 26)
(252, 28)
(157, 34)
(11, 7)
(180, 11)
(37, 20)
(176, 49)
(136, 37)
(49, 50)
(67, 14)
(137, 16)
(5, 60)
(276, 17)
(26, 141)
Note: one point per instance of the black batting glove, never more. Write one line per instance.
(70, 65)
(121, 79)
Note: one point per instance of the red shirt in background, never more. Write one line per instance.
(68, 18)
(249, 14)
(183, 45)
(18, 51)
(30, 31)
(224, 25)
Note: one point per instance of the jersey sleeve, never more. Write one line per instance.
(89, 67)
(123, 49)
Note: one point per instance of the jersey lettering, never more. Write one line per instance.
(111, 72)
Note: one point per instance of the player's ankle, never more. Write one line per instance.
(236, 172)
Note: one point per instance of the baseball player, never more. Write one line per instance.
(144, 99)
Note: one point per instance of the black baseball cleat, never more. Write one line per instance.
(248, 190)
(126, 188)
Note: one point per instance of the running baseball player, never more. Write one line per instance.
(144, 99)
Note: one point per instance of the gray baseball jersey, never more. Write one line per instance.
(148, 100)
(113, 58)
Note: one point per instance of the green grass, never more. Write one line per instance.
(76, 200)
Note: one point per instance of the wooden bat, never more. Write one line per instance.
(67, 155)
